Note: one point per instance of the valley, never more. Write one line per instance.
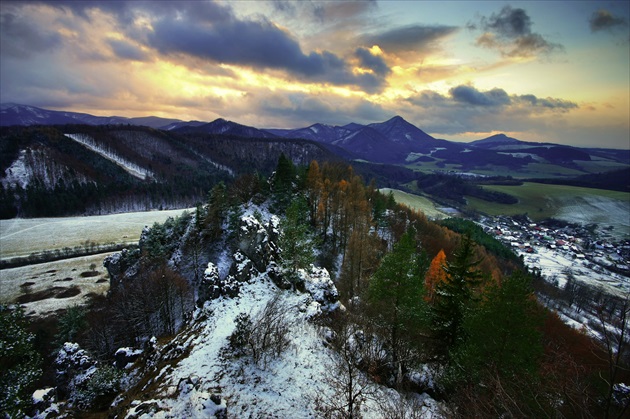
(286, 217)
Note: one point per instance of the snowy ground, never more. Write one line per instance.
(23, 236)
(286, 388)
(556, 265)
(54, 276)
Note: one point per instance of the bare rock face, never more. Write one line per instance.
(121, 265)
(243, 268)
(213, 286)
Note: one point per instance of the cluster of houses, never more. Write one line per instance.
(571, 240)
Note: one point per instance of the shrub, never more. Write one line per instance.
(263, 337)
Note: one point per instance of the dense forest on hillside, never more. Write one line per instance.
(614, 180)
(54, 175)
(417, 296)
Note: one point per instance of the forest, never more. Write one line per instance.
(416, 294)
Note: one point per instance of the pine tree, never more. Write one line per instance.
(283, 181)
(216, 211)
(19, 362)
(503, 332)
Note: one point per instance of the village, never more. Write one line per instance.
(563, 251)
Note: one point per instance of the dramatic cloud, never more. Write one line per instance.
(604, 20)
(469, 96)
(262, 45)
(510, 33)
(127, 51)
(466, 106)
(372, 62)
(472, 96)
(416, 38)
(20, 38)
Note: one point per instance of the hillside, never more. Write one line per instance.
(395, 141)
(80, 169)
(311, 294)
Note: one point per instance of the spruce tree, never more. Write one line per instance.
(296, 242)
(396, 296)
(454, 296)
(503, 332)
(283, 180)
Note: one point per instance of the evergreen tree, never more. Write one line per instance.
(216, 211)
(454, 296)
(503, 332)
(283, 181)
(396, 296)
(71, 324)
(296, 242)
(19, 362)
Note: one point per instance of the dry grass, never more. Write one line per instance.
(45, 288)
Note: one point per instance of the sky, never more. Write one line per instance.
(556, 71)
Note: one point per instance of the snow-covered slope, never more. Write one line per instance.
(207, 381)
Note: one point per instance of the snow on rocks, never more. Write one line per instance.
(74, 367)
(125, 357)
(208, 381)
(44, 403)
(318, 283)
(256, 238)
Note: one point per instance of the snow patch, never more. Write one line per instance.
(132, 168)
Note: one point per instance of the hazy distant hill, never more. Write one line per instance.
(15, 114)
(222, 126)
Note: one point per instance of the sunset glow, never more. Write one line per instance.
(540, 71)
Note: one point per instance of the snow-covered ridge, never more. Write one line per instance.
(132, 168)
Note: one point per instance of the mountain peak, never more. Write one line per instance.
(497, 139)
(396, 119)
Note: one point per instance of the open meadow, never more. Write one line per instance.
(568, 203)
(416, 202)
(23, 236)
(45, 288)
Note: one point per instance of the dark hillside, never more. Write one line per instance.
(86, 169)
(615, 180)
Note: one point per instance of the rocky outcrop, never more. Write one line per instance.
(257, 240)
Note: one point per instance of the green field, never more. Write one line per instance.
(23, 236)
(416, 202)
(570, 203)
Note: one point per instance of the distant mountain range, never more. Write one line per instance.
(394, 141)
(14, 114)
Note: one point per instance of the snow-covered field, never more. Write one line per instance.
(23, 236)
(598, 210)
(556, 266)
(54, 278)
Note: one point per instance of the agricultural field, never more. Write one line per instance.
(45, 288)
(23, 236)
(416, 202)
(569, 203)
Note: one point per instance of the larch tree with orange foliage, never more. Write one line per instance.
(435, 275)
